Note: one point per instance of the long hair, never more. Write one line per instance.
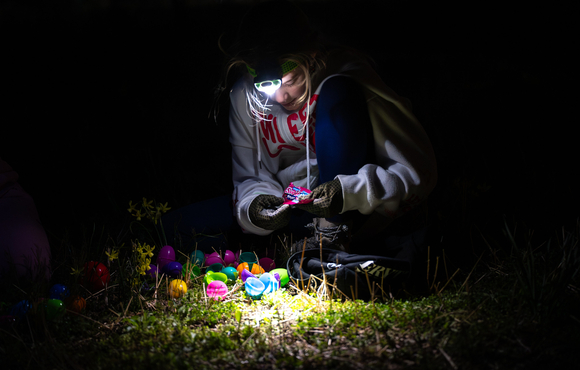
(255, 42)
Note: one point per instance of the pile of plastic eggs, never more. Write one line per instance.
(259, 275)
(54, 307)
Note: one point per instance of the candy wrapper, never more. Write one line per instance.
(293, 192)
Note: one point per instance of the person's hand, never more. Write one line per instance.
(327, 200)
(268, 212)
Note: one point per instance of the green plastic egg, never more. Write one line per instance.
(284, 279)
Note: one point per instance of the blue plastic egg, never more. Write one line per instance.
(59, 291)
(254, 288)
(20, 309)
(172, 269)
(270, 283)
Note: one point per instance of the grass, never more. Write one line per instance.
(515, 305)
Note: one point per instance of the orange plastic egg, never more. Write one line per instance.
(76, 303)
(242, 266)
(257, 269)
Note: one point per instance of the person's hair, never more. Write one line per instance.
(254, 43)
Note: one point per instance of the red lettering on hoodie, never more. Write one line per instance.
(295, 122)
(268, 127)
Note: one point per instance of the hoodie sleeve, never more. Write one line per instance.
(251, 178)
(406, 169)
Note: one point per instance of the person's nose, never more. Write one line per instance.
(282, 96)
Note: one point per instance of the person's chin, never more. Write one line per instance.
(291, 106)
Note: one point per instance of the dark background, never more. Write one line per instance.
(106, 102)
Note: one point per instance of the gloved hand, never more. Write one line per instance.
(265, 213)
(327, 199)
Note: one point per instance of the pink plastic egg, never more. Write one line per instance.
(213, 259)
(217, 289)
(166, 255)
(229, 257)
(267, 264)
(214, 254)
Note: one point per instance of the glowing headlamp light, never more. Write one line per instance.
(269, 86)
(269, 77)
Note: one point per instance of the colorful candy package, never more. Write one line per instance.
(293, 192)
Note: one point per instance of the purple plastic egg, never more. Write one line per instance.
(152, 271)
(166, 255)
(229, 257)
(172, 269)
(246, 274)
(267, 264)
(217, 289)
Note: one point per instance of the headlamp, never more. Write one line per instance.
(268, 78)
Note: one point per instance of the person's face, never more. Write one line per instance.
(292, 88)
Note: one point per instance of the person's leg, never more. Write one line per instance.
(344, 137)
(203, 224)
(24, 247)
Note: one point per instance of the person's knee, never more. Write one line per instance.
(23, 241)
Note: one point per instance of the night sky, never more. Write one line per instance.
(102, 105)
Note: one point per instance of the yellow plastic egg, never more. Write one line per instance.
(177, 288)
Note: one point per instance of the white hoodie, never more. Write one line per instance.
(405, 173)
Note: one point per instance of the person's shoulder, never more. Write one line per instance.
(240, 87)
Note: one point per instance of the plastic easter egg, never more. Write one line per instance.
(191, 270)
(212, 260)
(59, 291)
(172, 269)
(152, 272)
(283, 273)
(20, 309)
(177, 288)
(246, 274)
(270, 283)
(197, 258)
(96, 275)
(54, 309)
(215, 267)
(241, 267)
(75, 303)
(212, 276)
(267, 264)
(248, 257)
(217, 289)
(231, 273)
(166, 255)
(257, 269)
(254, 288)
(229, 257)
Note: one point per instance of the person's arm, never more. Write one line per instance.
(250, 178)
(406, 169)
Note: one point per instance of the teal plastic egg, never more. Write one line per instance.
(231, 273)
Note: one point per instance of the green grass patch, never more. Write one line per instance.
(514, 307)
